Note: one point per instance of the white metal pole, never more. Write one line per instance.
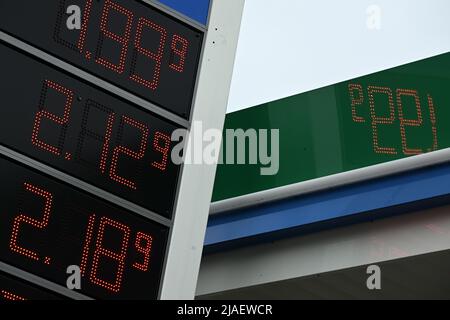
(194, 196)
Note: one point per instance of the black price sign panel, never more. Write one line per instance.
(133, 45)
(14, 289)
(45, 226)
(86, 133)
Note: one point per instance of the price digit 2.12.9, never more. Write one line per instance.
(161, 141)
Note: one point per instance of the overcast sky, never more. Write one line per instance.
(292, 46)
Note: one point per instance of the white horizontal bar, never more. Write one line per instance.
(331, 181)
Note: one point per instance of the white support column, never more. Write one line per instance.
(186, 243)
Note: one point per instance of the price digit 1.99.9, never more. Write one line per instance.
(179, 46)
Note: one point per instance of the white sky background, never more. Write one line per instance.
(292, 46)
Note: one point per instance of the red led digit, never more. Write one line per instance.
(143, 245)
(376, 120)
(105, 148)
(86, 133)
(164, 149)
(179, 47)
(100, 251)
(121, 39)
(157, 57)
(87, 244)
(84, 26)
(433, 123)
(408, 122)
(133, 154)
(62, 121)
(11, 296)
(356, 101)
(24, 219)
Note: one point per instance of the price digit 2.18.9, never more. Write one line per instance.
(100, 252)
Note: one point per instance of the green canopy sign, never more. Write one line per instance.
(389, 115)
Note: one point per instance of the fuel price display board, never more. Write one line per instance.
(54, 124)
(378, 118)
(133, 45)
